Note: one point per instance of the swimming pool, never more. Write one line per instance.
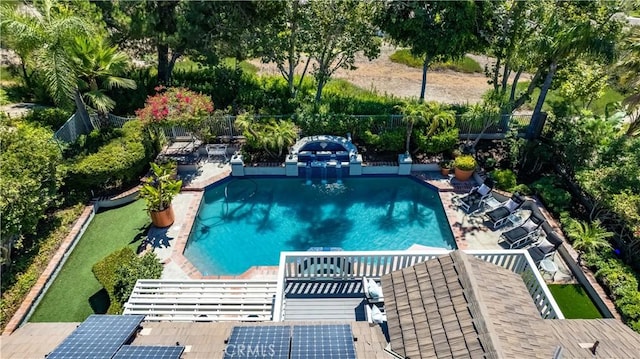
(248, 222)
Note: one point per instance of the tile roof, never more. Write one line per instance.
(458, 306)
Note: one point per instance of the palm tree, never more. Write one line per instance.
(588, 237)
(278, 135)
(41, 34)
(97, 65)
(433, 114)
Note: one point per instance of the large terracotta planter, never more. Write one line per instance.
(462, 175)
(163, 218)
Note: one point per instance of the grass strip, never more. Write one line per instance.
(574, 302)
(75, 293)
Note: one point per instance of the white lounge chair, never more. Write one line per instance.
(476, 196)
(545, 248)
(374, 314)
(499, 216)
(372, 290)
(523, 234)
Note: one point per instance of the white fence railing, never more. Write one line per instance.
(353, 265)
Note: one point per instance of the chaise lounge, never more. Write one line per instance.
(545, 248)
(523, 234)
(499, 216)
(372, 290)
(476, 196)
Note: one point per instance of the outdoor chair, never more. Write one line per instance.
(217, 150)
(372, 290)
(545, 248)
(374, 314)
(499, 216)
(523, 234)
(476, 196)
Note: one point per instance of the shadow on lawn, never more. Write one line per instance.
(100, 302)
(142, 233)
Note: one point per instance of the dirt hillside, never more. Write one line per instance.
(384, 76)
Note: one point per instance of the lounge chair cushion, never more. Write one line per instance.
(554, 239)
(536, 254)
(498, 213)
(546, 247)
(530, 226)
(511, 205)
(515, 234)
(484, 190)
(373, 289)
(376, 315)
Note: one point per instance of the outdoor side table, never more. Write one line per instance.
(548, 266)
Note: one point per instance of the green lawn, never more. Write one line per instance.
(574, 301)
(75, 294)
(465, 64)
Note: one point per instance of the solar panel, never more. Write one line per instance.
(149, 352)
(322, 341)
(259, 342)
(99, 336)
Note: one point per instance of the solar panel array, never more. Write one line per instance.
(259, 342)
(100, 336)
(297, 342)
(149, 352)
(322, 341)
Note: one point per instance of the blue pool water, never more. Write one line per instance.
(247, 222)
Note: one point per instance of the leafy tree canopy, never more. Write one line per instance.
(29, 179)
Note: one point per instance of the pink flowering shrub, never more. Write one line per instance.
(175, 106)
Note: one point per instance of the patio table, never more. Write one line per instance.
(548, 266)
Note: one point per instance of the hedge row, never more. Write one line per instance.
(18, 280)
(119, 271)
(105, 272)
(622, 283)
(119, 162)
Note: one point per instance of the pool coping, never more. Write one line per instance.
(443, 187)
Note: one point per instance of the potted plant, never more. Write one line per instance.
(445, 167)
(158, 190)
(464, 165)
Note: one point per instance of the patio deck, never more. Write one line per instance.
(470, 231)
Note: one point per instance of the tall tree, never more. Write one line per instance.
(434, 30)
(508, 33)
(41, 35)
(576, 30)
(338, 29)
(554, 35)
(215, 29)
(152, 22)
(282, 40)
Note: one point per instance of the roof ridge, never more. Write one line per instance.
(461, 262)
